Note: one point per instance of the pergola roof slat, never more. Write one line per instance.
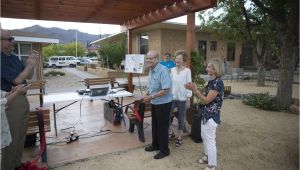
(128, 12)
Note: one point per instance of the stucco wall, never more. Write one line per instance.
(170, 40)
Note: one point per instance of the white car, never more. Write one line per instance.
(62, 61)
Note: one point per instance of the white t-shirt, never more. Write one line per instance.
(179, 80)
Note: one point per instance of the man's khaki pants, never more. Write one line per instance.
(16, 113)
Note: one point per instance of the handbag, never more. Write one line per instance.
(194, 116)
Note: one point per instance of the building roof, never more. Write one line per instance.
(32, 37)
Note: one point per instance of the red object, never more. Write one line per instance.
(33, 165)
(136, 111)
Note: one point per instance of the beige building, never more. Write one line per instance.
(169, 37)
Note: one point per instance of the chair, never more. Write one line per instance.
(228, 74)
(241, 75)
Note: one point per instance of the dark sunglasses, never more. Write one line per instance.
(10, 39)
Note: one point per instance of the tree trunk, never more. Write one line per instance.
(260, 75)
(289, 49)
(286, 73)
(260, 53)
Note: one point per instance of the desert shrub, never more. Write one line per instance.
(54, 73)
(262, 101)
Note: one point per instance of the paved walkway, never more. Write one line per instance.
(79, 73)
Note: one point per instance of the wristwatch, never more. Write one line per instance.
(152, 96)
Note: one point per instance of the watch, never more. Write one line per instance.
(152, 96)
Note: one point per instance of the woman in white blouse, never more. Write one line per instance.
(181, 96)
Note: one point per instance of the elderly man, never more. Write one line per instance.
(159, 92)
(14, 73)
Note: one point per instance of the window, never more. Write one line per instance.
(22, 50)
(230, 51)
(213, 46)
(143, 43)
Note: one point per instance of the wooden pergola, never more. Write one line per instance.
(130, 14)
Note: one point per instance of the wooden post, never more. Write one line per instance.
(129, 51)
(190, 35)
(190, 41)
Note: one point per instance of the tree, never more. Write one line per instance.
(285, 15)
(70, 49)
(277, 21)
(52, 50)
(241, 23)
(63, 49)
(113, 54)
(92, 54)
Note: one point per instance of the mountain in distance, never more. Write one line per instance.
(64, 36)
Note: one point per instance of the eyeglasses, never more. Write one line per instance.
(10, 39)
(150, 58)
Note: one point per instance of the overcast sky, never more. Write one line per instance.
(7, 23)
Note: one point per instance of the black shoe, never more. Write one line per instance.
(150, 148)
(160, 155)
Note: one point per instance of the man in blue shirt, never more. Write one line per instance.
(14, 73)
(160, 94)
(168, 62)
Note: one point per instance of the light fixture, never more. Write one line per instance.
(174, 4)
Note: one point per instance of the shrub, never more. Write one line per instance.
(54, 73)
(262, 101)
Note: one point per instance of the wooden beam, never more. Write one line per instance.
(190, 35)
(169, 12)
(129, 51)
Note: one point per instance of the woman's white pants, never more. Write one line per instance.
(208, 134)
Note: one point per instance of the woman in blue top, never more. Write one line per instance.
(213, 99)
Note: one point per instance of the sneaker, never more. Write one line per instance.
(203, 160)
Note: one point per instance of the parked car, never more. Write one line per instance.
(94, 60)
(61, 61)
(45, 64)
(86, 61)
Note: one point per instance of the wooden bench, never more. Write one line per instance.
(98, 81)
(39, 122)
(39, 118)
(34, 121)
(144, 112)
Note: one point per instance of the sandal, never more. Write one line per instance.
(171, 136)
(178, 142)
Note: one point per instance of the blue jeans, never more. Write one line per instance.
(180, 105)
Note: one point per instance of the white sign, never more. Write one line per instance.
(134, 63)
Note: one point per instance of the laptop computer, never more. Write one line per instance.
(99, 91)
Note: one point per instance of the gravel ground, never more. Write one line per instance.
(248, 138)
